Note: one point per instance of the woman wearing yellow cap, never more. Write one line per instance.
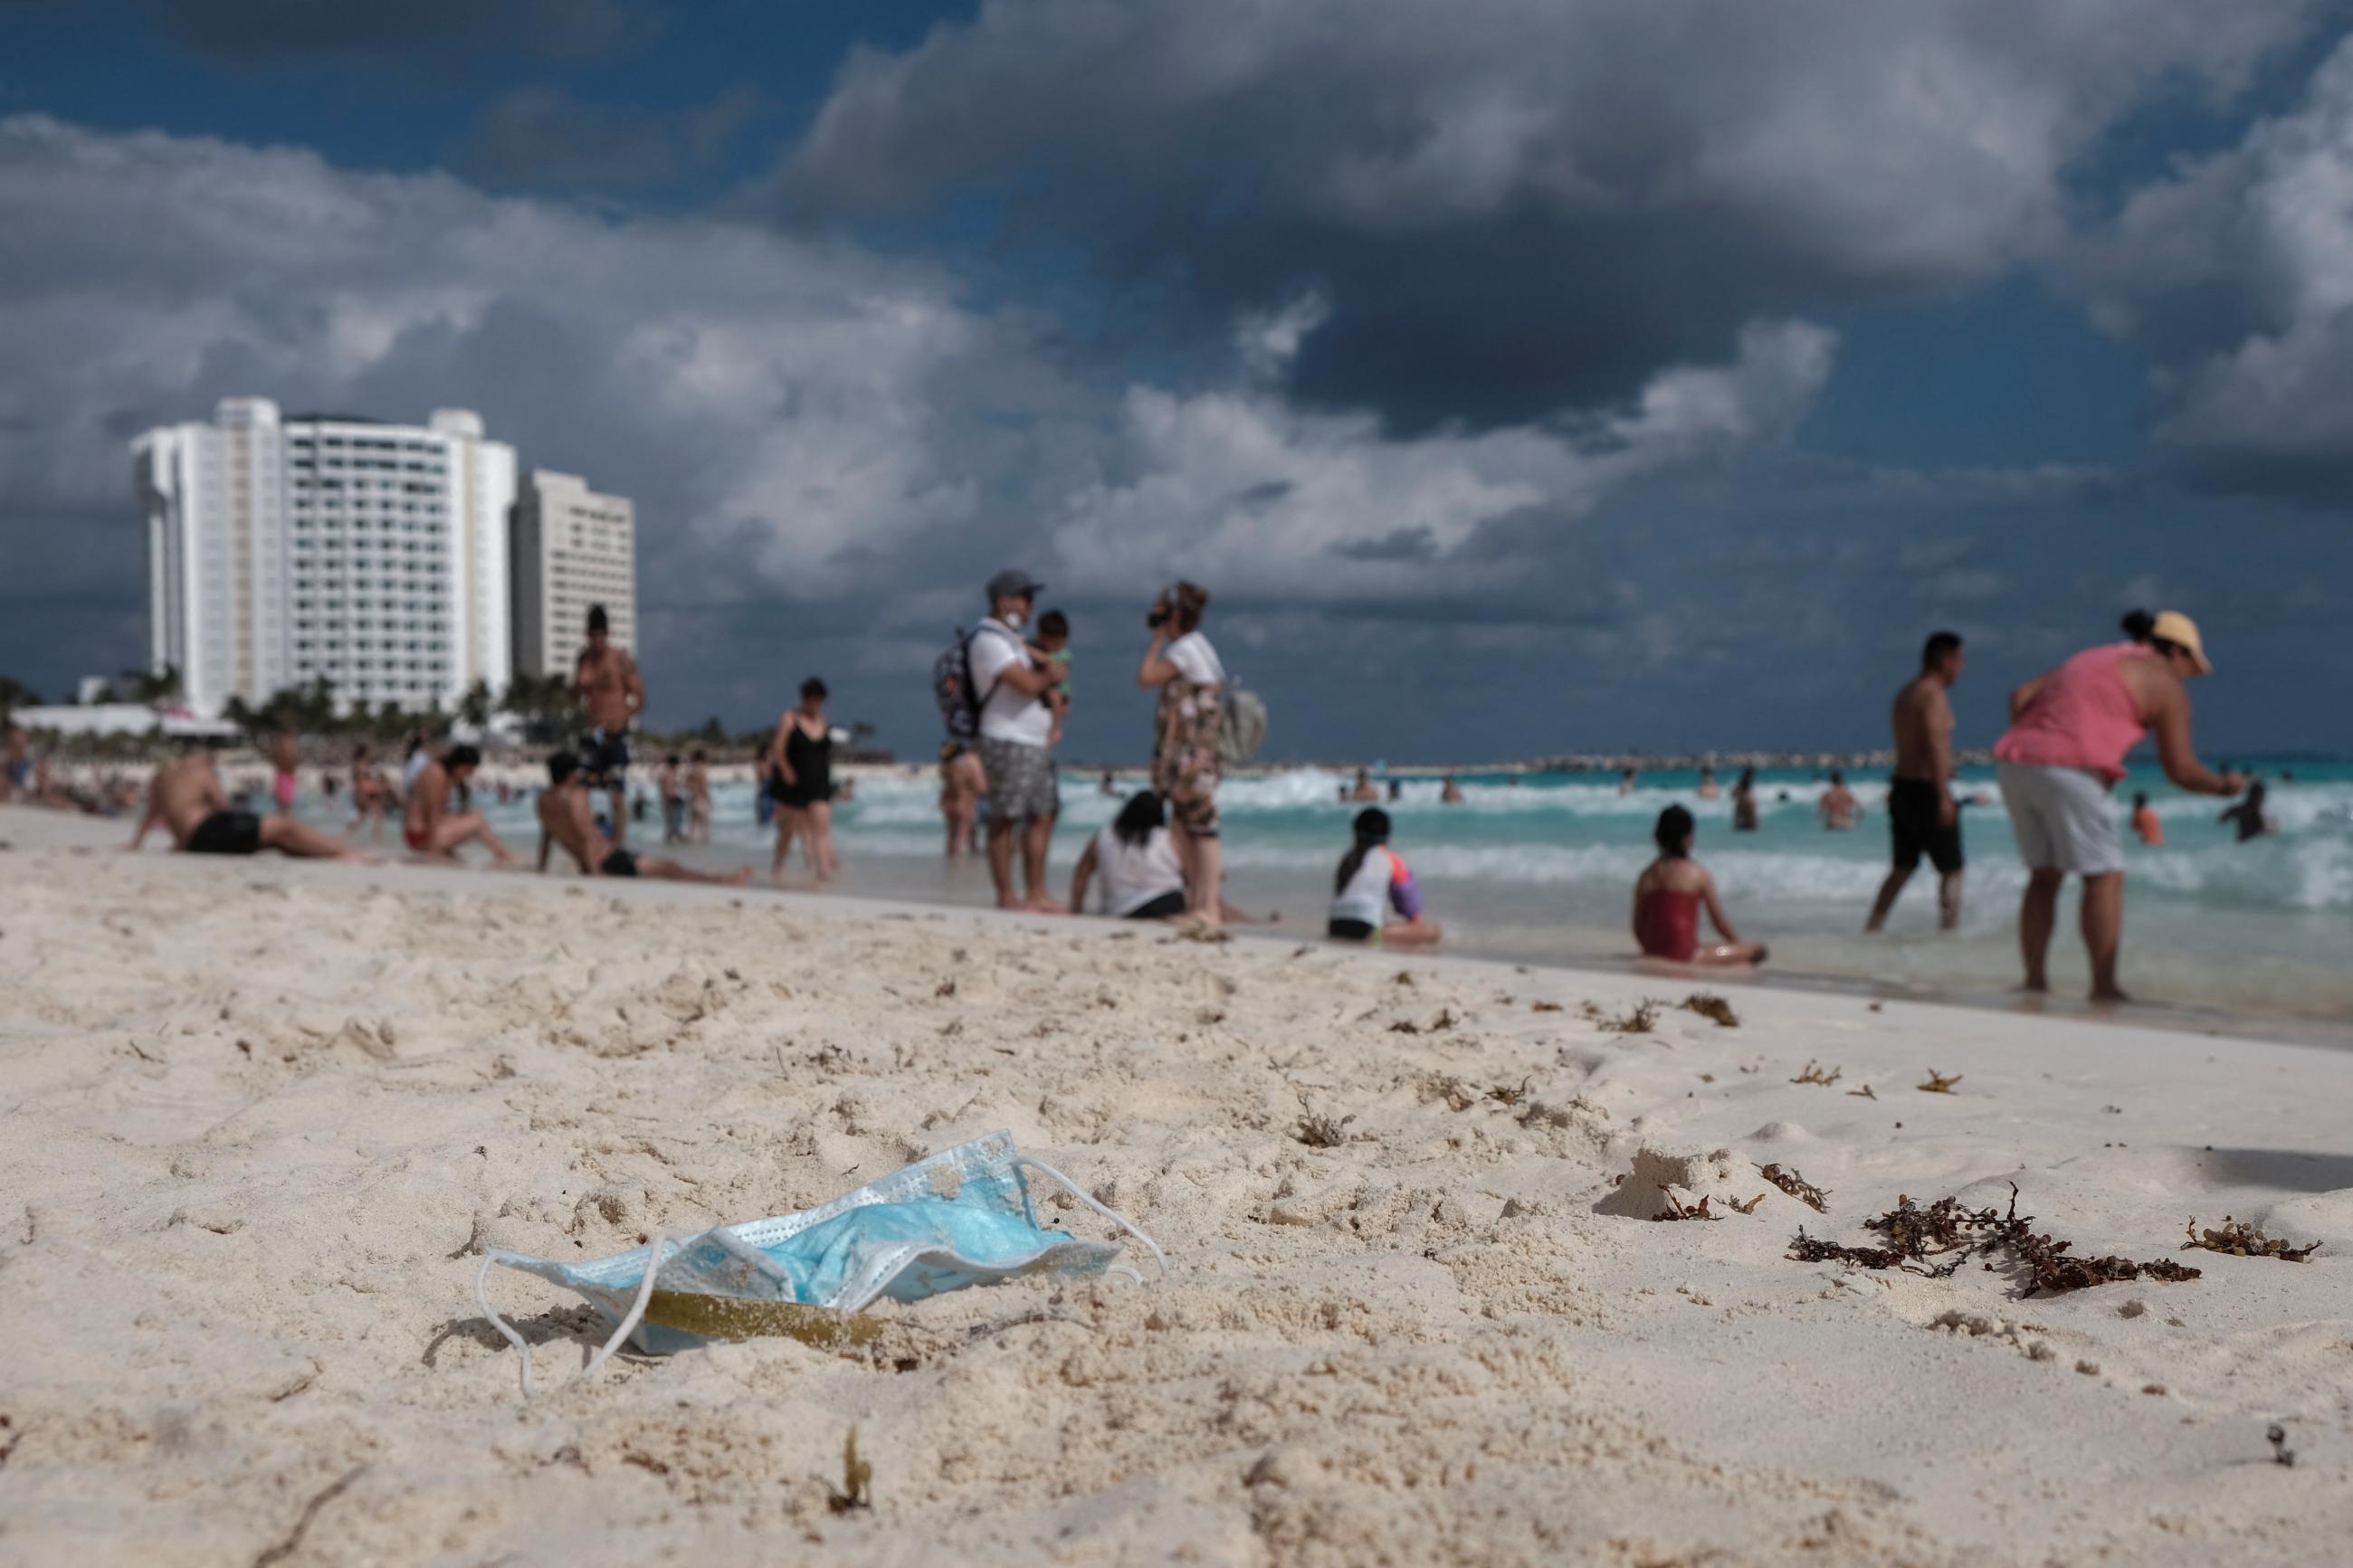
(2064, 753)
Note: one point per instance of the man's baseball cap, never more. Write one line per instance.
(1013, 583)
(2176, 627)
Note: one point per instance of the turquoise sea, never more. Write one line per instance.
(1537, 867)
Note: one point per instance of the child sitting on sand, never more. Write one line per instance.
(1372, 885)
(1668, 897)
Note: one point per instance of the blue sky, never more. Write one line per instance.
(1542, 376)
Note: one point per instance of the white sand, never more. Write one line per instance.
(259, 1118)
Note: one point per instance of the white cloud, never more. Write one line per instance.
(2238, 272)
(807, 405)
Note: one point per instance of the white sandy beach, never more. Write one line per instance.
(261, 1117)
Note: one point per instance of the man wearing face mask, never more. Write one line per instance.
(1015, 724)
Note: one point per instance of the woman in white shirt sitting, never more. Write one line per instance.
(1142, 879)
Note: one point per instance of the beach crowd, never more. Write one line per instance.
(1005, 693)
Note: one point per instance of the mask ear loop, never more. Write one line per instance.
(629, 1320)
(1108, 1213)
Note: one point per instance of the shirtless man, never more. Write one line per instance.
(1838, 808)
(1921, 815)
(611, 694)
(185, 795)
(567, 817)
(433, 831)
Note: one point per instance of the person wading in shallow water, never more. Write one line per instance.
(801, 759)
(1923, 818)
(2064, 753)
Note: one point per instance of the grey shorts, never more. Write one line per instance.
(2065, 819)
(1021, 785)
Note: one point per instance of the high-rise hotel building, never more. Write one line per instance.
(573, 549)
(282, 550)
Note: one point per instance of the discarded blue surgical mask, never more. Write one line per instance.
(961, 1217)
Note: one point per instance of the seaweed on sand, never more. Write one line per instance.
(1797, 1187)
(1675, 1210)
(1638, 1019)
(1814, 1074)
(1935, 1241)
(2240, 1240)
(856, 1491)
(1509, 1094)
(1708, 1005)
(1937, 1083)
(1318, 1130)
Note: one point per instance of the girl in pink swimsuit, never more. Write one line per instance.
(285, 755)
(1669, 896)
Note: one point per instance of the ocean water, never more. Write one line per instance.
(1539, 868)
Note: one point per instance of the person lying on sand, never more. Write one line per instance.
(1373, 897)
(434, 831)
(1668, 895)
(185, 795)
(568, 817)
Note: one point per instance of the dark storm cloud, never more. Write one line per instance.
(1527, 203)
(274, 31)
(829, 450)
(538, 136)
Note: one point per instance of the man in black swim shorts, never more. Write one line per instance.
(185, 795)
(1923, 818)
(567, 817)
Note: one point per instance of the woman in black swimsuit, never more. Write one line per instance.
(800, 760)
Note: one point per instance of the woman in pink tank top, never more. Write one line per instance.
(2064, 750)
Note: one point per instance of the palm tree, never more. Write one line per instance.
(15, 694)
(475, 707)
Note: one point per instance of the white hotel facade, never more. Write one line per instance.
(574, 549)
(280, 550)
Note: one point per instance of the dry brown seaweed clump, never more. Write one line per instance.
(1638, 1019)
(1675, 1210)
(1935, 1241)
(1814, 1074)
(856, 1492)
(1318, 1130)
(1797, 1187)
(2240, 1240)
(1937, 1083)
(1708, 1005)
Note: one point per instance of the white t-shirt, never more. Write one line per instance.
(1132, 878)
(418, 761)
(1196, 659)
(1006, 714)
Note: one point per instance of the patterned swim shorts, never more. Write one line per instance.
(1188, 778)
(1022, 785)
